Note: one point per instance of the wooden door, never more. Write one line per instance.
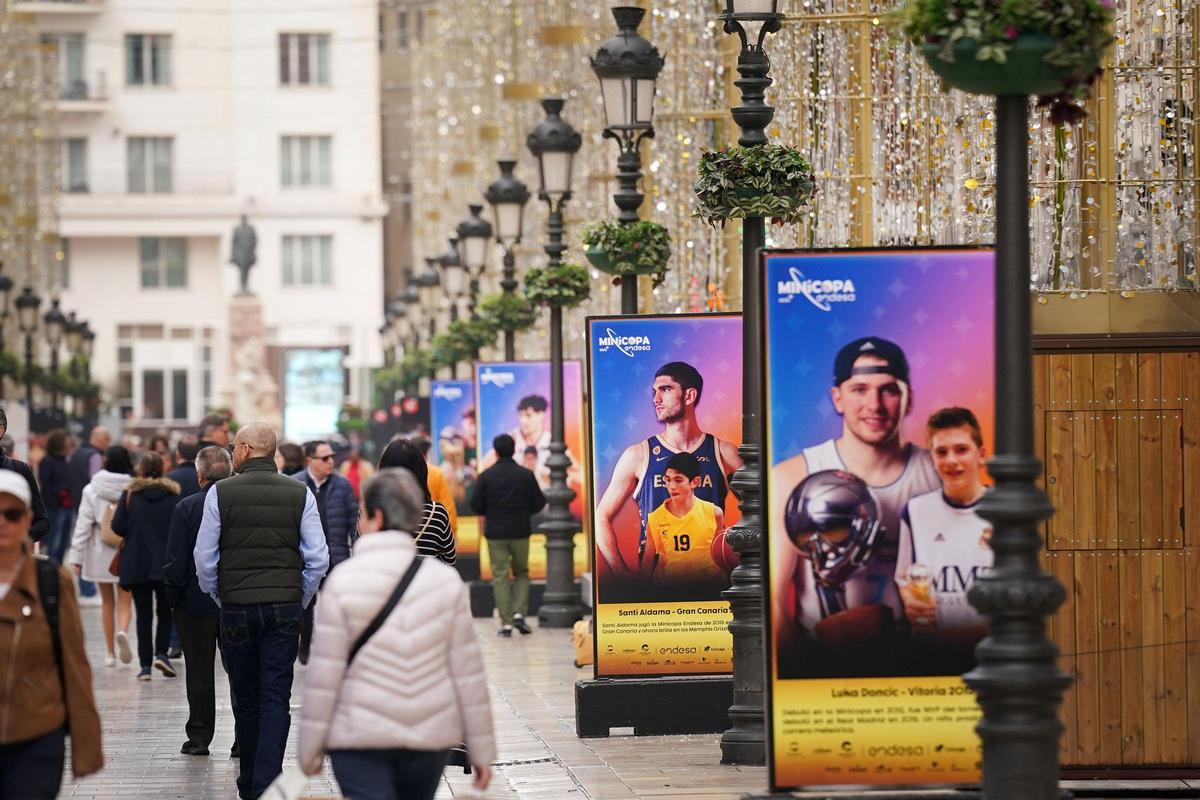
(1120, 437)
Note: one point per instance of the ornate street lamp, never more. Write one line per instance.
(454, 281)
(745, 742)
(89, 346)
(428, 284)
(1017, 680)
(73, 332)
(474, 236)
(6, 286)
(55, 322)
(554, 142)
(27, 319)
(507, 197)
(628, 67)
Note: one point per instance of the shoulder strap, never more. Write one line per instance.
(387, 609)
(47, 581)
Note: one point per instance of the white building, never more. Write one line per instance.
(175, 118)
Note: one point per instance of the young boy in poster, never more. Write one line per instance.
(680, 532)
(944, 546)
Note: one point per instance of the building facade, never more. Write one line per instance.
(175, 119)
(402, 25)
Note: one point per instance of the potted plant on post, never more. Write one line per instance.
(561, 285)
(507, 312)
(628, 249)
(764, 180)
(1048, 48)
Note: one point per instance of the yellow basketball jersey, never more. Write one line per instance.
(684, 544)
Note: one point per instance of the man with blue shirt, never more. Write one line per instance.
(260, 554)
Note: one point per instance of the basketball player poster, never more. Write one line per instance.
(878, 379)
(514, 398)
(665, 424)
(452, 437)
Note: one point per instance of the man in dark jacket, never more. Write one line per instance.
(338, 506)
(261, 554)
(185, 467)
(40, 527)
(196, 615)
(86, 461)
(508, 495)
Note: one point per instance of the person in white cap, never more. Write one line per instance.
(45, 680)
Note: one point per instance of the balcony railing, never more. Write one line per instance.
(59, 6)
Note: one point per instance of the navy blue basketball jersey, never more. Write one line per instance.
(652, 493)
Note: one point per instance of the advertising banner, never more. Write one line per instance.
(514, 398)
(879, 412)
(453, 451)
(665, 424)
(313, 391)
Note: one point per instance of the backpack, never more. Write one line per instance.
(107, 535)
(47, 583)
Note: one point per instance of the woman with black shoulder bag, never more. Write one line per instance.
(389, 618)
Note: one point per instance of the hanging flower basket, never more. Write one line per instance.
(564, 286)
(1048, 48)
(618, 249)
(508, 313)
(767, 180)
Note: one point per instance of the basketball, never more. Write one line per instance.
(722, 554)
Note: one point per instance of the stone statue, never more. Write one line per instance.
(245, 242)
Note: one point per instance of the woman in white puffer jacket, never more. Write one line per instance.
(91, 556)
(417, 687)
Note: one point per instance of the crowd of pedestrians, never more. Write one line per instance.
(225, 546)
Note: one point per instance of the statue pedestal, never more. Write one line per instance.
(250, 391)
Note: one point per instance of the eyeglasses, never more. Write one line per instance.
(13, 514)
(323, 458)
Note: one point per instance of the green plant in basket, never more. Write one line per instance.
(639, 248)
(768, 180)
(564, 285)
(1048, 48)
(508, 313)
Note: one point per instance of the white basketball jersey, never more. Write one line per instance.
(875, 583)
(953, 542)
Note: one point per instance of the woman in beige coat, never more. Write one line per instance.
(388, 713)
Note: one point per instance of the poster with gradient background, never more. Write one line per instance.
(499, 389)
(639, 631)
(452, 406)
(938, 305)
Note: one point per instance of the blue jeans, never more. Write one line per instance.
(62, 527)
(33, 770)
(259, 643)
(388, 774)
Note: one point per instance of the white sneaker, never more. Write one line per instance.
(110, 660)
(89, 602)
(123, 647)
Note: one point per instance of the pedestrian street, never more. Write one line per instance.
(541, 758)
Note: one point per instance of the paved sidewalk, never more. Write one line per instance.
(532, 680)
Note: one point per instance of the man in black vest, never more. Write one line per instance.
(260, 554)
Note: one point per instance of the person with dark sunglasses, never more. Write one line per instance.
(338, 506)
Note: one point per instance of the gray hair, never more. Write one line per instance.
(213, 464)
(395, 492)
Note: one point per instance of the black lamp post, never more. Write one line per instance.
(55, 322)
(507, 197)
(73, 332)
(428, 288)
(745, 742)
(554, 142)
(6, 286)
(628, 67)
(1017, 680)
(27, 319)
(88, 347)
(474, 236)
(454, 281)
